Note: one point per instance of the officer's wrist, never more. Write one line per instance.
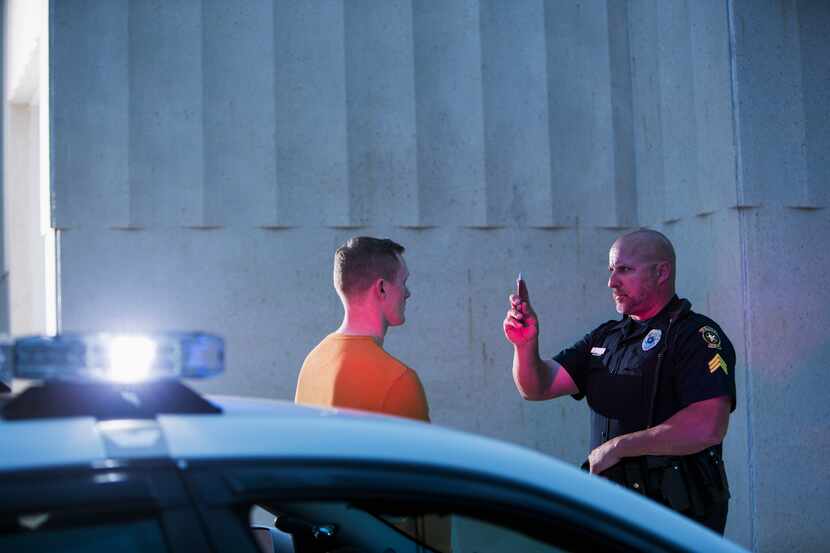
(621, 446)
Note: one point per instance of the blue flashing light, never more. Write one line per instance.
(126, 358)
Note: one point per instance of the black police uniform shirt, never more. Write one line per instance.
(614, 365)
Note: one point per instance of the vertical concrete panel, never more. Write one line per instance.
(770, 97)
(715, 138)
(789, 349)
(517, 136)
(381, 112)
(240, 179)
(166, 111)
(676, 105)
(5, 300)
(576, 114)
(590, 102)
(814, 30)
(709, 274)
(648, 126)
(785, 305)
(90, 95)
(622, 109)
(449, 108)
(311, 118)
(23, 269)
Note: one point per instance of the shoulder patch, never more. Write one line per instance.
(710, 336)
(716, 363)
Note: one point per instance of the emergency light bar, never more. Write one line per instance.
(127, 358)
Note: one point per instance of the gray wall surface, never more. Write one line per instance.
(209, 156)
(4, 270)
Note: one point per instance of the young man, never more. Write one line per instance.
(660, 382)
(350, 368)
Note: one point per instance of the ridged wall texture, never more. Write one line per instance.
(209, 156)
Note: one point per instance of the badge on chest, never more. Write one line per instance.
(652, 339)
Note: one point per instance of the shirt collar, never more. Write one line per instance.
(631, 328)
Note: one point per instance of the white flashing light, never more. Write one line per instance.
(118, 357)
(131, 358)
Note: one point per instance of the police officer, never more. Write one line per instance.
(660, 382)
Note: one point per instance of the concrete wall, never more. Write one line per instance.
(782, 82)
(27, 226)
(208, 157)
(4, 271)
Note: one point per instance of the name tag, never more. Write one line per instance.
(597, 351)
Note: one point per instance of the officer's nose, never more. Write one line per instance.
(612, 281)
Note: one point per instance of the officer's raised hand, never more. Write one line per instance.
(535, 377)
(521, 326)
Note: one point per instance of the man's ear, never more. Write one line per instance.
(380, 288)
(663, 271)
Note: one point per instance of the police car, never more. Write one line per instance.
(112, 452)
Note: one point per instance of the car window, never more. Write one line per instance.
(124, 537)
(455, 533)
(90, 509)
(383, 508)
(339, 525)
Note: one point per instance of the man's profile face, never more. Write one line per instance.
(394, 305)
(632, 279)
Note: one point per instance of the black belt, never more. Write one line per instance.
(683, 483)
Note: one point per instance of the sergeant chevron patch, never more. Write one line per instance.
(716, 363)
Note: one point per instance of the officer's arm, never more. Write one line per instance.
(538, 379)
(692, 429)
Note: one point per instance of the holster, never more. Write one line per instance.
(630, 473)
(708, 469)
(670, 484)
(685, 484)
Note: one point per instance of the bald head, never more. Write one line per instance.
(648, 246)
(642, 273)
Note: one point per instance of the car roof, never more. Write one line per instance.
(259, 429)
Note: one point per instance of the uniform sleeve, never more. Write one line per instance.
(406, 398)
(577, 360)
(705, 365)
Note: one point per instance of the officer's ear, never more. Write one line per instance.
(663, 269)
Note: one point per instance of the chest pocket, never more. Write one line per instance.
(629, 359)
(611, 391)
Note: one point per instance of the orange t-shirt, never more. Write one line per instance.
(355, 372)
